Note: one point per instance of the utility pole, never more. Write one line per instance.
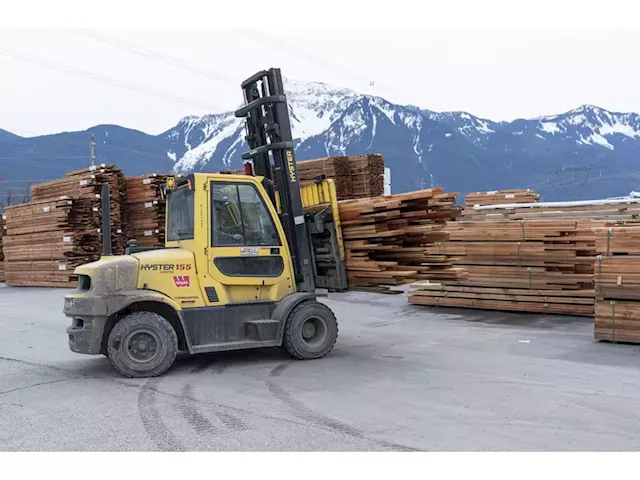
(93, 148)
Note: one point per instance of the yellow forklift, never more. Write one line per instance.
(243, 260)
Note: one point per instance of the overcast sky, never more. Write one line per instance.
(495, 74)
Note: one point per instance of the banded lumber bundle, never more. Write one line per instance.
(617, 284)
(2, 221)
(359, 176)
(613, 209)
(145, 209)
(44, 242)
(528, 266)
(578, 302)
(500, 197)
(386, 237)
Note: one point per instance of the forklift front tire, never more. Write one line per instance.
(310, 332)
(142, 344)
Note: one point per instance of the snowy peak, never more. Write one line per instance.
(314, 106)
(591, 125)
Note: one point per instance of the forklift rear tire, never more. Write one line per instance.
(311, 331)
(142, 344)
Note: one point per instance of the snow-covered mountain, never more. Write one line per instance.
(586, 152)
(455, 149)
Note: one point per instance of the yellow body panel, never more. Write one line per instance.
(172, 273)
(322, 194)
(204, 273)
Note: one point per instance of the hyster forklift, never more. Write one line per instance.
(238, 270)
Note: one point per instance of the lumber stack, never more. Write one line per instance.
(617, 284)
(145, 209)
(2, 221)
(39, 244)
(532, 266)
(386, 237)
(84, 187)
(61, 227)
(359, 176)
(610, 209)
(500, 197)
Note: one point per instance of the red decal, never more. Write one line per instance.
(181, 281)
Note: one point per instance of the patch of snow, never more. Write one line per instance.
(599, 139)
(577, 119)
(226, 158)
(550, 127)
(484, 127)
(172, 156)
(373, 129)
(416, 141)
(619, 127)
(203, 152)
(384, 107)
(540, 136)
(519, 132)
(466, 116)
(351, 126)
(447, 135)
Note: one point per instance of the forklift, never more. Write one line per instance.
(243, 260)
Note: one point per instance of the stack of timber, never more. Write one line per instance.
(84, 187)
(532, 266)
(61, 228)
(145, 209)
(2, 222)
(386, 237)
(610, 209)
(41, 243)
(617, 284)
(500, 197)
(359, 176)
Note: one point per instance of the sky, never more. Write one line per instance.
(54, 80)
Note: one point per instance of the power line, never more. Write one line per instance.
(160, 57)
(313, 59)
(103, 78)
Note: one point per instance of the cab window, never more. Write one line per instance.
(240, 217)
(180, 215)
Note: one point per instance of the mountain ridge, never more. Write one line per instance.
(456, 150)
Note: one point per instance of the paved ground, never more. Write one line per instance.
(400, 378)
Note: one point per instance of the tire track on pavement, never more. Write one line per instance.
(191, 413)
(303, 412)
(151, 419)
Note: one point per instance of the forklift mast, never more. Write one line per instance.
(269, 136)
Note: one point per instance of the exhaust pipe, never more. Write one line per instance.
(106, 220)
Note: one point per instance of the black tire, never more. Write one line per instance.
(324, 333)
(142, 344)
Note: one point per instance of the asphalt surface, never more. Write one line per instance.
(401, 378)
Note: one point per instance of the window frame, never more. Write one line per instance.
(214, 221)
(193, 219)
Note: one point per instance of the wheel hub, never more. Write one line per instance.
(309, 330)
(314, 331)
(142, 346)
